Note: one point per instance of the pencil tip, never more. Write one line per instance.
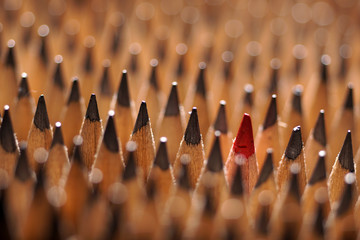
(262, 221)
(209, 205)
(58, 76)
(105, 88)
(345, 156)
(215, 161)
(192, 133)
(248, 97)
(319, 172)
(319, 133)
(183, 179)
(244, 141)
(123, 96)
(142, 118)
(88, 61)
(41, 119)
(7, 137)
(58, 136)
(296, 100)
(75, 91)
(319, 221)
(325, 61)
(294, 189)
(23, 90)
(221, 122)
(347, 195)
(153, 76)
(130, 168)
(200, 83)
(295, 144)
(40, 179)
(271, 115)
(267, 169)
(110, 138)
(349, 103)
(161, 158)
(76, 158)
(172, 106)
(237, 188)
(22, 171)
(92, 112)
(10, 56)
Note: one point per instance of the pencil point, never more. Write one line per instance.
(105, 88)
(23, 90)
(110, 138)
(88, 61)
(267, 169)
(319, 172)
(319, 221)
(92, 112)
(200, 83)
(7, 138)
(76, 158)
(41, 119)
(271, 115)
(58, 136)
(319, 133)
(123, 96)
(349, 103)
(161, 158)
(58, 76)
(237, 188)
(325, 61)
(130, 168)
(215, 161)
(192, 132)
(295, 144)
(172, 106)
(40, 179)
(248, 97)
(294, 182)
(153, 77)
(10, 57)
(221, 122)
(347, 195)
(209, 207)
(183, 180)
(244, 141)
(142, 118)
(22, 171)
(75, 91)
(345, 156)
(296, 100)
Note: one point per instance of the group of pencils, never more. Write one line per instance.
(216, 119)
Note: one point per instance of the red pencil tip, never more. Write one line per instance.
(244, 141)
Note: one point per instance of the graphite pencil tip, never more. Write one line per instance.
(75, 91)
(347, 195)
(325, 61)
(221, 122)
(43, 52)
(123, 96)
(153, 76)
(40, 179)
(88, 61)
(209, 205)
(76, 157)
(58, 78)
(271, 115)
(295, 144)
(244, 141)
(10, 56)
(22, 170)
(192, 133)
(215, 161)
(105, 87)
(110, 138)
(318, 226)
(296, 99)
(41, 119)
(142, 118)
(162, 159)
(345, 156)
(248, 97)
(130, 168)
(294, 189)
(267, 169)
(172, 106)
(262, 221)
(92, 112)
(58, 136)
(200, 83)
(7, 137)
(319, 172)
(319, 133)
(349, 103)
(23, 90)
(183, 178)
(237, 187)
